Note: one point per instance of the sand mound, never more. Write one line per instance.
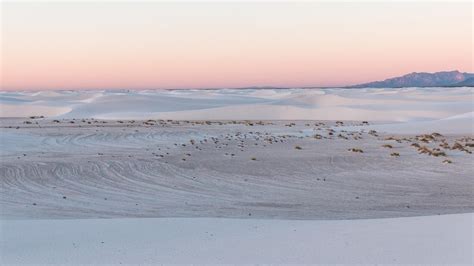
(417, 107)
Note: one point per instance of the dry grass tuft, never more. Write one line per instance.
(373, 133)
(416, 145)
(459, 146)
(438, 153)
(393, 138)
(444, 145)
(317, 136)
(426, 138)
(424, 149)
(433, 152)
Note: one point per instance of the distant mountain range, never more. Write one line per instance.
(423, 79)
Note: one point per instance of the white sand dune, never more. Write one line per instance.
(411, 105)
(458, 124)
(88, 191)
(24, 110)
(445, 239)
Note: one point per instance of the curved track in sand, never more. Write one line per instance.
(195, 170)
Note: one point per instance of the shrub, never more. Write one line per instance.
(438, 153)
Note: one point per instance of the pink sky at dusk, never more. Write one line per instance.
(94, 45)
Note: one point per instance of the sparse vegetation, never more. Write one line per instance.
(438, 153)
(342, 136)
(428, 138)
(416, 145)
(457, 146)
(424, 149)
(393, 138)
(317, 136)
(433, 152)
(444, 145)
(373, 133)
(460, 147)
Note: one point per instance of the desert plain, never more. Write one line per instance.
(288, 170)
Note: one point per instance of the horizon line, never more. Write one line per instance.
(240, 87)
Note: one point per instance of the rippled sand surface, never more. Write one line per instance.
(237, 169)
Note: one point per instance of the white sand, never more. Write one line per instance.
(126, 171)
(108, 169)
(458, 124)
(411, 105)
(445, 239)
(24, 110)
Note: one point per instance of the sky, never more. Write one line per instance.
(140, 45)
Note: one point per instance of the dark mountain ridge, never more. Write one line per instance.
(424, 79)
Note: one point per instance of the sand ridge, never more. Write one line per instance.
(390, 105)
